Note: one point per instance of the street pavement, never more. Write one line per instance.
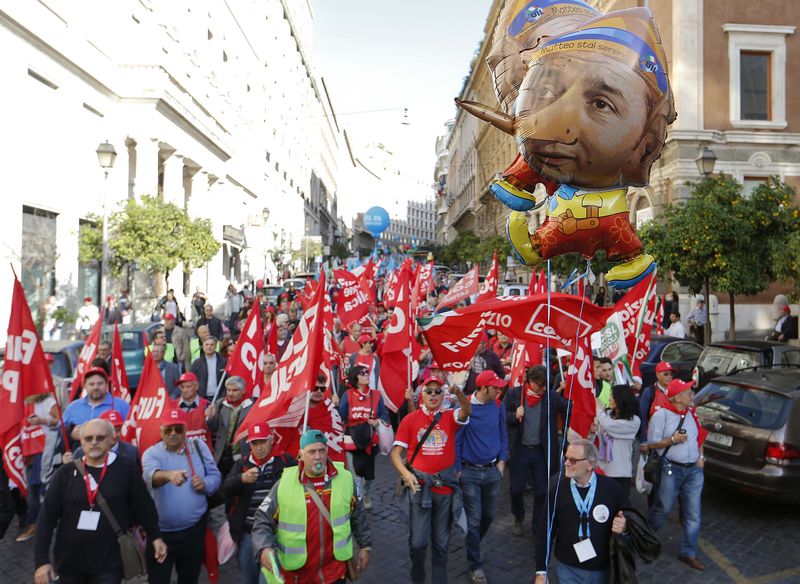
(743, 540)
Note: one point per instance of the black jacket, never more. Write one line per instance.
(492, 364)
(239, 495)
(558, 408)
(214, 326)
(200, 368)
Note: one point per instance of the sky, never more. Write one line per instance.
(376, 54)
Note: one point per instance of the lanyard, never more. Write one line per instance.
(92, 494)
(584, 505)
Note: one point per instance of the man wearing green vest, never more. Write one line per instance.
(603, 376)
(309, 520)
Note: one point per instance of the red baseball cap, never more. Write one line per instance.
(664, 366)
(489, 377)
(87, 299)
(188, 376)
(431, 379)
(365, 339)
(174, 417)
(259, 431)
(96, 371)
(114, 417)
(169, 316)
(434, 365)
(677, 386)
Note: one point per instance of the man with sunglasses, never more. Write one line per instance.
(180, 474)
(585, 509)
(86, 549)
(429, 437)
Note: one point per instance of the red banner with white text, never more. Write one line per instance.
(143, 425)
(637, 311)
(396, 358)
(488, 288)
(354, 299)
(579, 388)
(463, 289)
(247, 360)
(87, 355)
(119, 377)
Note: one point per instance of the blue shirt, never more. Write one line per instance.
(485, 438)
(181, 507)
(81, 411)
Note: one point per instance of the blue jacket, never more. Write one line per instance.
(81, 411)
(485, 438)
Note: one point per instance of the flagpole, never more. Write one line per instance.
(305, 416)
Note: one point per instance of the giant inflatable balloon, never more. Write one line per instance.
(588, 100)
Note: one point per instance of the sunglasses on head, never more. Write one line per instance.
(433, 391)
(173, 429)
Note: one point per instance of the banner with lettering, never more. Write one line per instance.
(396, 358)
(26, 373)
(579, 388)
(488, 288)
(353, 301)
(143, 424)
(86, 356)
(247, 360)
(119, 377)
(453, 336)
(463, 289)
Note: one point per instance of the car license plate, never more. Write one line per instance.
(720, 439)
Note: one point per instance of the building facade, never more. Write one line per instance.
(418, 228)
(212, 105)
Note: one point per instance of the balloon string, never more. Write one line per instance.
(551, 518)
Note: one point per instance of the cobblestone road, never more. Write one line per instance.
(743, 540)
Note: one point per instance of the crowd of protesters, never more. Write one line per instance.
(306, 513)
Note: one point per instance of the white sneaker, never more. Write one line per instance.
(477, 577)
(366, 502)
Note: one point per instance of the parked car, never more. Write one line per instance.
(298, 283)
(681, 353)
(514, 290)
(271, 293)
(753, 420)
(134, 337)
(728, 357)
(63, 358)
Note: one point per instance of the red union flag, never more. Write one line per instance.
(149, 405)
(453, 336)
(119, 377)
(579, 388)
(464, 288)
(525, 354)
(396, 353)
(422, 284)
(284, 405)
(489, 286)
(354, 300)
(87, 355)
(637, 312)
(25, 373)
(247, 360)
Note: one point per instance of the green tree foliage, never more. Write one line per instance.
(466, 247)
(717, 239)
(156, 235)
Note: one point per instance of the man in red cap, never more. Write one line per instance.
(97, 400)
(246, 486)
(676, 433)
(87, 316)
(181, 474)
(194, 406)
(429, 437)
(481, 455)
(652, 398)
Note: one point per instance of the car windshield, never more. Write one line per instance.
(790, 358)
(131, 340)
(722, 360)
(273, 290)
(59, 367)
(748, 406)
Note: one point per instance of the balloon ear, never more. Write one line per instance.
(500, 120)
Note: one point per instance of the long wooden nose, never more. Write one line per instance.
(500, 120)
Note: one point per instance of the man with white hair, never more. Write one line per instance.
(224, 418)
(585, 509)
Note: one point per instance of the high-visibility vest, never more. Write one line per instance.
(196, 348)
(169, 352)
(293, 517)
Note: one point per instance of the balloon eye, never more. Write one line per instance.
(600, 104)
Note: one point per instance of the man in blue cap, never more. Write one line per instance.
(310, 518)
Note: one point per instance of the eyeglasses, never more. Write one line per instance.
(433, 391)
(570, 460)
(320, 388)
(365, 373)
(173, 429)
(97, 438)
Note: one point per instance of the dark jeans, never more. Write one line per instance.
(111, 578)
(529, 459)
(479, 488)
(429, 526)
(185, 551)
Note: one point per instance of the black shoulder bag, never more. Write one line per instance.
(436, 417)
(652, 468)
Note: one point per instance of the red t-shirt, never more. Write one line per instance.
(348, 345)
(439, 450)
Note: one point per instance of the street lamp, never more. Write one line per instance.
(106, 155)
(705, 161)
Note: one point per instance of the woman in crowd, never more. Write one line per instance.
(617, 426)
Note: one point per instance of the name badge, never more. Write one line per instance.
(584, 550)
(88, 520)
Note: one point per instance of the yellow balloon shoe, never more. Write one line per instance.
(630, 273)
(520, 239)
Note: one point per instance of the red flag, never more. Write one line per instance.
(354, 298)
(396, 358)
(541, 284)
(149, 404)
(323, 417)
(582, 288)
(119, 377)
(284, 405)
(247, 360)
(87, 355)
(272, 340)
(453, 336)
(422, 284)
(464, 288)
(25, 373)
(579, 388)
(524, 355)
(489, 286)
(637, 311)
